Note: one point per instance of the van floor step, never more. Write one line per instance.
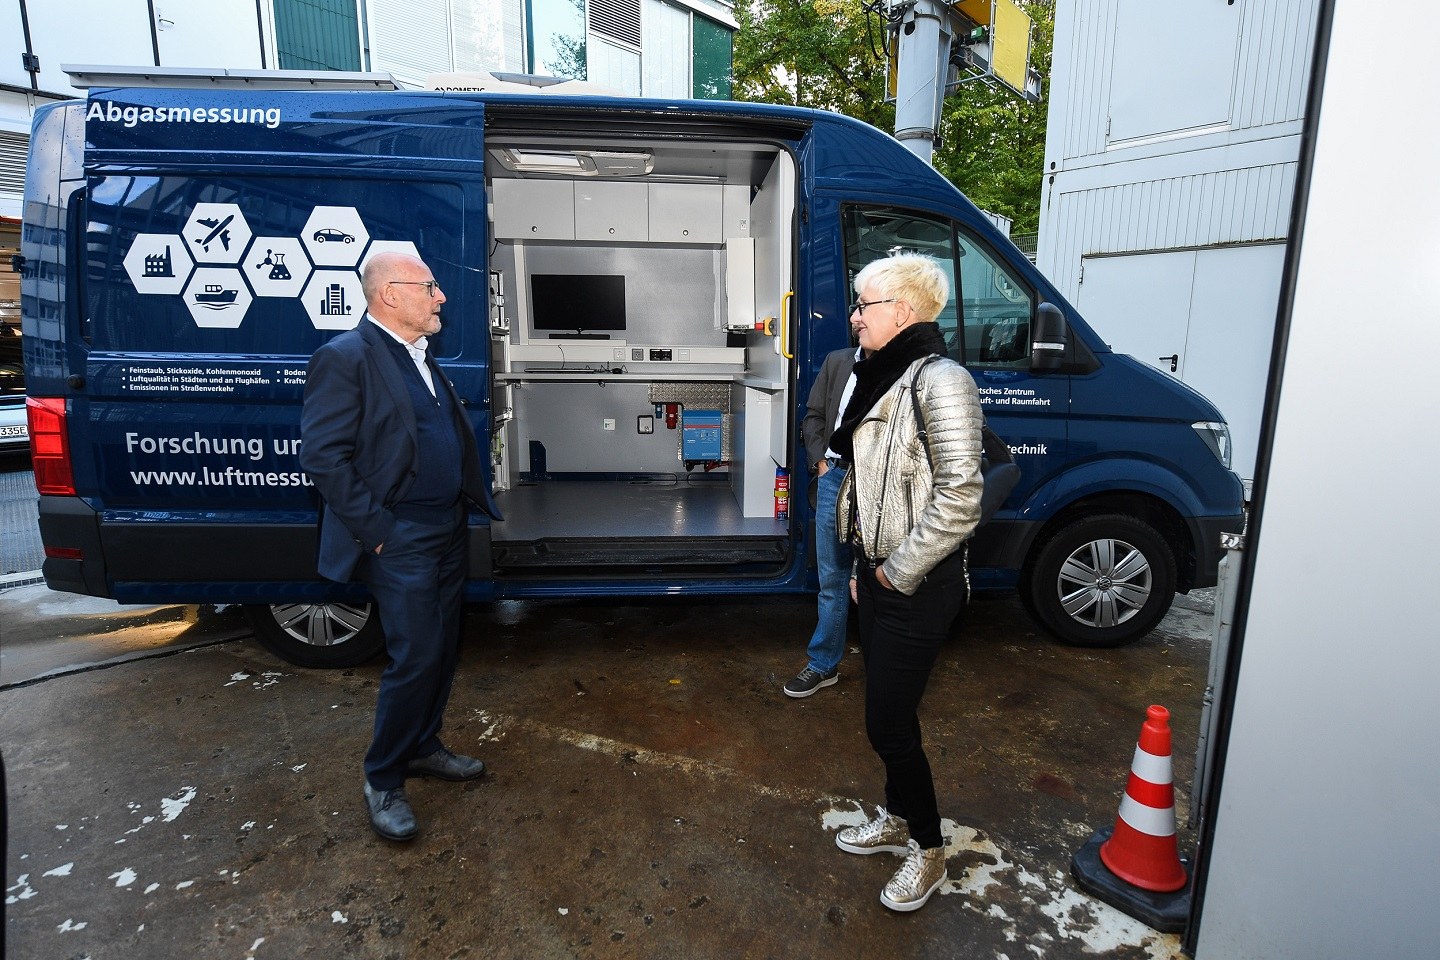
(689, 552)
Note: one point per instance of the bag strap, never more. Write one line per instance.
(921, 432)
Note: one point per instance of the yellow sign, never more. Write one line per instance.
(1010, 36)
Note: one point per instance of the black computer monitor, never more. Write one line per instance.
(582, 304)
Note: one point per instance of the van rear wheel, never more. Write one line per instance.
(1102, 581)
(318, 634)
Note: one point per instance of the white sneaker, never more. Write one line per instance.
(919, 876)
(884, 834)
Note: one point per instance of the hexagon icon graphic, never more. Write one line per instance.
(158, 263)
(335, 236)
(277, 267)
(217, 233)
(389, 246)
(217, 297)
(334, 300)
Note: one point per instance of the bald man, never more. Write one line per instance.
(388, 445)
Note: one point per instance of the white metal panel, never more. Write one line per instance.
(478, 30)
(613, 66)
(1327, 827)
(96, 31)
(1273, 66)
(1202, 210)
(1233, 300)
(1213, 310)
(216, 34)
(667, 51)
(409, 39)
(12, 71)
(1079, 80)
(514, 35)
(1140, 305)
(1173, 67)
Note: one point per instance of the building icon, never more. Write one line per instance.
(159, 264)
(333, 303)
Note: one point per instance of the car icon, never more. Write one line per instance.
(331, 235)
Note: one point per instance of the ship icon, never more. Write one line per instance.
(216, 296)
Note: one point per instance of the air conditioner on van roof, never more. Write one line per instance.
(576, 163)
(480, 82)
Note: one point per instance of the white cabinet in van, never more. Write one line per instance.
(605, 210)
(685, 212)
(534, 209)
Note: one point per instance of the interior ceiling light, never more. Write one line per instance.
(576, 163)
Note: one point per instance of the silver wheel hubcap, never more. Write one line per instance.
(321, 624)
(1104, 583)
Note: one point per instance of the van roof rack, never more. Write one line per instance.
(85, 77)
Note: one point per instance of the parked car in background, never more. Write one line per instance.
(14, 434)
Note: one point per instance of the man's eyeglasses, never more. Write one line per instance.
(859, 305)
(429, 285)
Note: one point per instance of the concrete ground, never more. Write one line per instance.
(652, 794)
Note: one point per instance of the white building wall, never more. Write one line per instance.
(1175, 126)
(217, 33)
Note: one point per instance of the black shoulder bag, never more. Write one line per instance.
(997, 467)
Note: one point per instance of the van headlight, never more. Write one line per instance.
(1216, 435)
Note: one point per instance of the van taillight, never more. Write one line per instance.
(50, 446)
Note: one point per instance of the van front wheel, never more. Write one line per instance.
(318, 634)
(1102, 581)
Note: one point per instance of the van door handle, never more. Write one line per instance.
(1174, 359)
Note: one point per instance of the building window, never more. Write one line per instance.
(317, 35)
(557, 38)
(712, 58)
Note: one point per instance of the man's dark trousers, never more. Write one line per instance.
(417, 581)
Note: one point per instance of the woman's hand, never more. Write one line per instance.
(854, 590)
(883, 580)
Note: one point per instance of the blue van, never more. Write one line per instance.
(640, 294)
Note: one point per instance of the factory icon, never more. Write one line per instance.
(160, 264)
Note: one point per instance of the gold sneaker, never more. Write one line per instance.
(884, 834)
(919, 876)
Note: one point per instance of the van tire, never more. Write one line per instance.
(325, 635)
(1072, 568)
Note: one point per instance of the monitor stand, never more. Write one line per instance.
(579, 336)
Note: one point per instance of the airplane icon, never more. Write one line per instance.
(217, 229)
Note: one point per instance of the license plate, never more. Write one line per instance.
(12, 431)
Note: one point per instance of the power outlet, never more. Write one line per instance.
(644, 424)
(620, 353)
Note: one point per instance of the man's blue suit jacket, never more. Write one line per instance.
(359, 444)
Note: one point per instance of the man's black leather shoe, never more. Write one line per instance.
(390, 813)
(447, 766)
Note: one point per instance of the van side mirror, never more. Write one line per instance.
(1051, 338)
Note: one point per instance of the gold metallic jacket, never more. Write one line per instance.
(904, 515)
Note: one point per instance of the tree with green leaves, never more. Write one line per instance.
(830, 55)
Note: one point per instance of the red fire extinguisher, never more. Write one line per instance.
(782, 494)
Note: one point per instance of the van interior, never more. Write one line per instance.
(642, 331)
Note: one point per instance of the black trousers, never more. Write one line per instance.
(900, 638)
(418, 582)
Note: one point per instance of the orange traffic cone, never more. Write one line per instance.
(1137, 867)
(1142, 849)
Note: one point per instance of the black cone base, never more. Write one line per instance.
(1166, 912)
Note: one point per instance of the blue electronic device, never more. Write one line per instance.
(702, 435)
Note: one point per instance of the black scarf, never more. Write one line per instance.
(877, 373)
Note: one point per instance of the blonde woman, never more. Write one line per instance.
(908, 505)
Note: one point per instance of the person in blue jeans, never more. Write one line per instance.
(832, 388)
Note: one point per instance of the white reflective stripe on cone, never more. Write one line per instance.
(1155, 821)
(1150, 767)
